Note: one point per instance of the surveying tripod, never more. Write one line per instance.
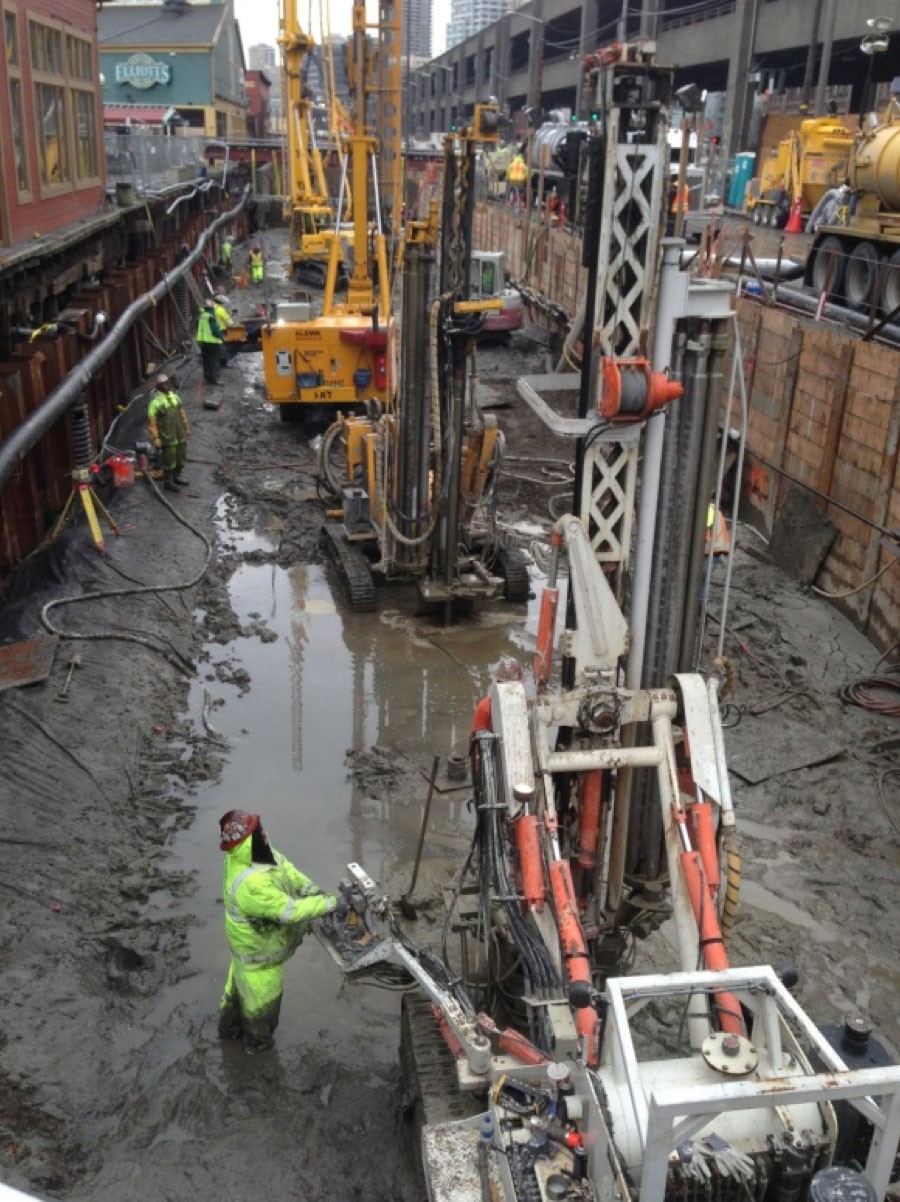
(90, 503)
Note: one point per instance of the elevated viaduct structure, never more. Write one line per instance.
(532, 57)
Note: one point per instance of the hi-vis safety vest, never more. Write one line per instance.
(517, 172)
(681, 202)
(204, 328)
(716, 532)
(227, 250)
(268, 907)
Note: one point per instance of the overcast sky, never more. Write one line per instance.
(259, 20)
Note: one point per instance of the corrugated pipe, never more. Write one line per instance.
(14, 448)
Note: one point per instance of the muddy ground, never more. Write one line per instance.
(219, 667)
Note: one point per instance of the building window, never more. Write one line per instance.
(85, 134)
(16, 104)
(65, 105)
(80, 70)
(53, 145)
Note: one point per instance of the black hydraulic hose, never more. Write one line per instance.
(539, 971)
(26, 435)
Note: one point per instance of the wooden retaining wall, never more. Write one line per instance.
(34, 496)
(824, 407)
(552, 265)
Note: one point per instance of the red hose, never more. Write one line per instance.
(528, 845)
(543, 656)
(589, 820)
(712, 944)
(575, 955)
(705, 842)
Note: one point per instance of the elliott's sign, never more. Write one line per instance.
(142, 71)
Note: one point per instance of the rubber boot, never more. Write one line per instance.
(169, 484)
(180, 480)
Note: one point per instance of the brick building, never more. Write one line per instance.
(51, 142)
(258, 87)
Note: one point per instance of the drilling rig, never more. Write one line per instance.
(309, 216)
(345, 356)
(414, 481)
(603, 806)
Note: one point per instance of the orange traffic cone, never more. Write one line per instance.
(795, 220)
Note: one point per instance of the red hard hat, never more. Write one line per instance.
(235, 826)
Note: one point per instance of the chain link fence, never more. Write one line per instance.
(152, 162)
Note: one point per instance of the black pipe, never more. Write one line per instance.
(25, 436)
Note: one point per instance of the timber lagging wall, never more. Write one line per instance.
(824, 407)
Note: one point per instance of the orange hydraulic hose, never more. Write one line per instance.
(589, 820)
(543, 656)
(574, 951)
(528, 844)
(711, 943)
(511, 1042)
(704, 831)
(447, 1033)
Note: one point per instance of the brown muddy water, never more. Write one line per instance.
(314, 683)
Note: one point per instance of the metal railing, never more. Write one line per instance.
(692, 18)
(152, 162)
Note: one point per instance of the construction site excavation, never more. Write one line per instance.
(449, 605)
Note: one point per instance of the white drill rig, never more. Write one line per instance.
(578, 1105)
(603, 805)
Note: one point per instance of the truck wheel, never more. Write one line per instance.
(756, 214)
(828, 266)
(890, 289)
(861, 275)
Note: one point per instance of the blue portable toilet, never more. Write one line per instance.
(742, 173)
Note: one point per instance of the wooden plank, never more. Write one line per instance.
(792, 366)
(882, 501)
(836, 419)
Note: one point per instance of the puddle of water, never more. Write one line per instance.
(332, 681)
(242, 541)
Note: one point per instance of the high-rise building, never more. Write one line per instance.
(417, 28)
(468, 17)
(263, 57)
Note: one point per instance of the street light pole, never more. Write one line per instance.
(873, 43)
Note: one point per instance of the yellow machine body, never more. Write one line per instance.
(805, 164)
(312, 231)
(339, 359)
